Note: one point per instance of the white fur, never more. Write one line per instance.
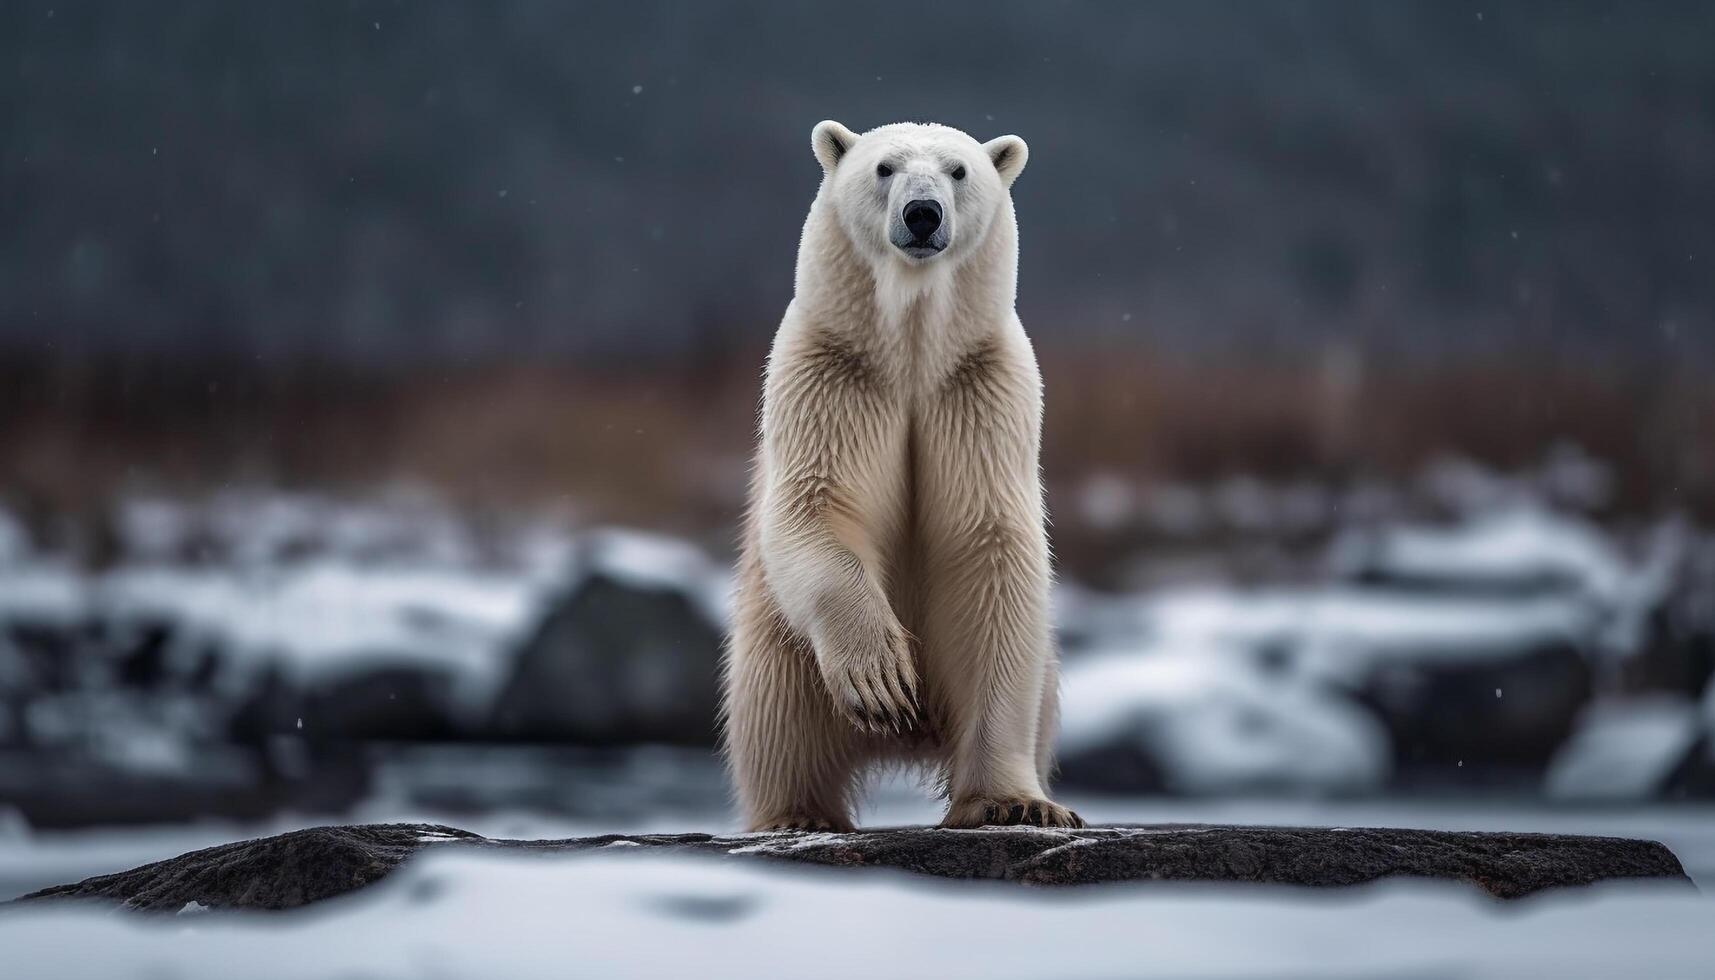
(894, 582)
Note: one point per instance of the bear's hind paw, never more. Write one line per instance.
(802, 823)
(1010, 812)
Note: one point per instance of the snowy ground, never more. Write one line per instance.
(1231, 689)
(463, 915)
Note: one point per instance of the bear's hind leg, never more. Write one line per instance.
(793, 758)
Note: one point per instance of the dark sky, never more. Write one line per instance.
(388, 181)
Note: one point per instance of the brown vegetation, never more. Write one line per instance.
(666, 446)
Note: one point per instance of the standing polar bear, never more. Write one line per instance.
(893, 591)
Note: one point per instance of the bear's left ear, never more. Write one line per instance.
(1008, 154)
(830, 140)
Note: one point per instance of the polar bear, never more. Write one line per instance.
(892, 602)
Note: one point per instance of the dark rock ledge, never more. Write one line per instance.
(310, 865)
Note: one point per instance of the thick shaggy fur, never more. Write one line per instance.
(893, 593)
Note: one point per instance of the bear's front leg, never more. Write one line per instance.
(833, 499)
(988, 657)
(987, 647)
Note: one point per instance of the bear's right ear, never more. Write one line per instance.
(830, 140)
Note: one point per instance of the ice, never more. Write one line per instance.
(462, 914)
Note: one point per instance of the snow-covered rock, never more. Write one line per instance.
(1211, 719)
(325, 619)
(629, 650)
(1694, 775)
(1625, 750)
(1411, 661)
(1524, 549)
(290, 614)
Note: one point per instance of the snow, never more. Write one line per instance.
(1530, 550)
(1342, 631)
(257, 527)
(1624, 750)
(319, 588)
(323, 619)
(462, 914)
(1230, 689)
(40, 593)
(645, 560)
(1522, 545)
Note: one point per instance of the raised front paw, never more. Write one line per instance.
(873, 682)
(1009, 811)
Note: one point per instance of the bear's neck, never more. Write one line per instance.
(912, 315)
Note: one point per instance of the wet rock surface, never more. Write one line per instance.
(298, 868)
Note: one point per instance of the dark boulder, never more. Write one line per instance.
(616, 661)
(384, 703)
(1693, 778)
(305, 866)
(1486, 713)
(1119, 766)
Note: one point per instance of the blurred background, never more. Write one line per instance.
(377, 382)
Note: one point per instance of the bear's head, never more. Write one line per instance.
(916, 194)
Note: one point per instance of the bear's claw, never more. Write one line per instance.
(877, 691)
(804, 824)
(1014, 811)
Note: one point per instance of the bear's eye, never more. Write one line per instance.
(883, 170)
(959, 173)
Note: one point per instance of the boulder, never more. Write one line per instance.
(306, 866)
(1494, 714)
(1693, 777)
(629, 653)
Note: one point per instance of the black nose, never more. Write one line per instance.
(923, 217)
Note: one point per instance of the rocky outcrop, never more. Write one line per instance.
(306, 866)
